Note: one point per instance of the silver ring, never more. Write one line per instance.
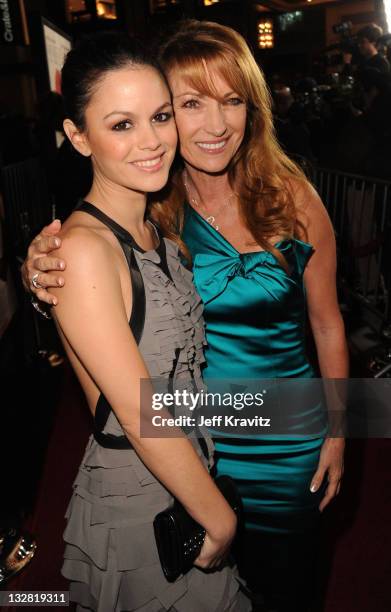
(34, 281)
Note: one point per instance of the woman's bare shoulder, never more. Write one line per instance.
(87, 251)
(304, 194)
(81, 234)
(311, 213)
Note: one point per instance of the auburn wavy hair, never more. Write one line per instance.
(260, 173)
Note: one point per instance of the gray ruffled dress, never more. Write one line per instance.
(111, 557)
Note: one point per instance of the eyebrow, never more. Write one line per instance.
(194, 92)
(130, 114)
(200, 95)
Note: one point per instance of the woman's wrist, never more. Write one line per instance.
(224, 527)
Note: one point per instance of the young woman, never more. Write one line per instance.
(119, 113)
(263, 255)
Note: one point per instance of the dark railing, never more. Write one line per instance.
(360, 210)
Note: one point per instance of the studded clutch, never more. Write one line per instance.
(179, 537)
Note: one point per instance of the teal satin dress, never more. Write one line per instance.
(255, 327)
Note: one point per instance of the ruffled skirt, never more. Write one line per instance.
(111, 557)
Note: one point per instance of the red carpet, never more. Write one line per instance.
(65, 451)
(356, 556)
(359, 530)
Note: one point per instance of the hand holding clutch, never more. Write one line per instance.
(179, 538)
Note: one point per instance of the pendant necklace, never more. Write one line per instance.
(211, 219)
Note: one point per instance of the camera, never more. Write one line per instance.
(344, 28)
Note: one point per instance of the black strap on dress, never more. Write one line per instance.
(137, 318)
(136, 323)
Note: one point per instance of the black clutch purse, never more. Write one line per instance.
(179, 537)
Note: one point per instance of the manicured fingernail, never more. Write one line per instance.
(54, 302)
(60, 282)
(313, 488)
(56, 221)
(56, 242)
(61, 266)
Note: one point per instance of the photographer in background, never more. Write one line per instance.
(376, 117)
(290, 124)
(367, 39)
(364, 142)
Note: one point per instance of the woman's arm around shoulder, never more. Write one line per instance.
(42, 264)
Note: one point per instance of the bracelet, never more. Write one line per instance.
(39, 309)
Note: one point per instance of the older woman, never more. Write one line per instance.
(263, 255)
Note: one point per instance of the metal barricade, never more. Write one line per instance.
(360, 210)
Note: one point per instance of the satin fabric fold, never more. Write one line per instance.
(213, 272)
(255, 315)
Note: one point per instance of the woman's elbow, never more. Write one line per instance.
(328, 326)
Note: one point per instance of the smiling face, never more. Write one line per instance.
(130, 130)
(210, 129)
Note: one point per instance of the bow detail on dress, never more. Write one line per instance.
(212, 273)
